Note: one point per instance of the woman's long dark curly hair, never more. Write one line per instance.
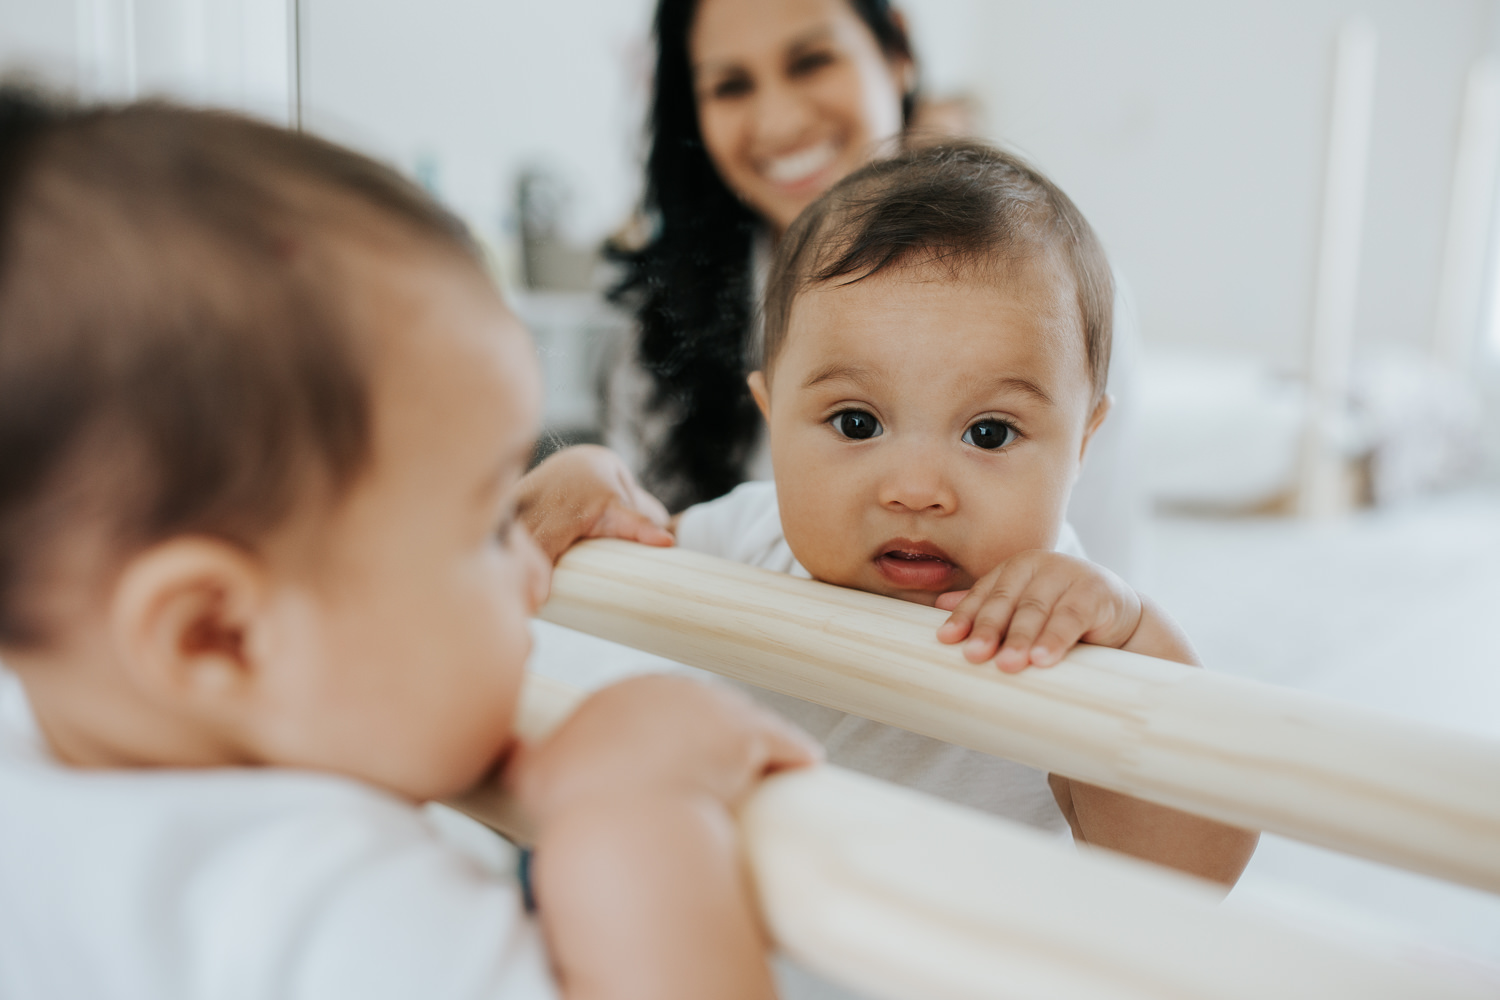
(690, 286)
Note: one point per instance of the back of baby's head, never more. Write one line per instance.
(174, 346)
(974, 211)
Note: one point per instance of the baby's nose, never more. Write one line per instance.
(918, 480)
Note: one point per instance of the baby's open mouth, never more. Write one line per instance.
(915, 565)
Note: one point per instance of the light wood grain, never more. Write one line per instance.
(1233, 750)
(905, 897)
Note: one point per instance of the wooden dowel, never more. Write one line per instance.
(1245, 753)
(904, 897)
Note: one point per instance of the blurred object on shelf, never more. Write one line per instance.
(575, 333)
(1420, 422)
(1222, 433)
(549, 262)
(1219, 432)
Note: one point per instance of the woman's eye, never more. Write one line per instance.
(811, 61)
(856, 425)
(989, 434)
(734, 86)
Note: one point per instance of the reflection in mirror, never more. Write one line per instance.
(1197, 141)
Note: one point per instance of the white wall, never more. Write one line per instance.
(1193, 135)
(475, 91)
(41, 39)
(228, 53)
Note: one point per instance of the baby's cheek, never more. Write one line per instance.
(997, 549)
(823, 549)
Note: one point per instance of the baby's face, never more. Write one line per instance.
(924, 428)
(415, 601)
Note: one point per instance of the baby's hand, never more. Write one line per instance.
(651, 738)
(1041, 604)
(638, 875)
(587, 492)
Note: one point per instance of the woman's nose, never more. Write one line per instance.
(918, 480)
(782, 116)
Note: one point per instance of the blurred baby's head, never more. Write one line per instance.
(259, 410)
(937, 338)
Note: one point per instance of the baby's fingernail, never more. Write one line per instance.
(976, 648)
(1041, 655)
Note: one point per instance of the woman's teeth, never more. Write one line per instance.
(801, 165)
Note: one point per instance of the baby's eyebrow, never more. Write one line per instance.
(840, 372)
(1015, 383)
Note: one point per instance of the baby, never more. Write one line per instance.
(937, 333)
(263, 593)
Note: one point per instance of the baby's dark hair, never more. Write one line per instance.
(175, 356)
(965, 206)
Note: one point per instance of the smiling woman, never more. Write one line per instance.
(792, 96)
(758, 108)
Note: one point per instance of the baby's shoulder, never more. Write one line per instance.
(261, 878)
(744, 525)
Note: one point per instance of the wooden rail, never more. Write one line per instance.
(1234, 750)
(905, 897)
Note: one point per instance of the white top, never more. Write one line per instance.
(745, 526)
(243, 883)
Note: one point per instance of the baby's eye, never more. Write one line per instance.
(505, 525)
(989, 434)
(856, 425)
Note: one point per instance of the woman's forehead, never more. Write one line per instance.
(725, 32)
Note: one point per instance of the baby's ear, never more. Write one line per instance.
(1095, 420)
(762, 393)
(182, 616)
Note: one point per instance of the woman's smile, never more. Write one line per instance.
(791, 97)
(803, 166)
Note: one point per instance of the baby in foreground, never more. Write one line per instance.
(262, 593)
(937, 333)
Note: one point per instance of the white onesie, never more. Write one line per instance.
(244, 884)
(745, 526)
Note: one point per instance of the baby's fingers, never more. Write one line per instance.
(631, 524)
(963, 607)
(784, 746)
(950, 601)
(990, 612)
(1071, 617)
(1026, 623)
